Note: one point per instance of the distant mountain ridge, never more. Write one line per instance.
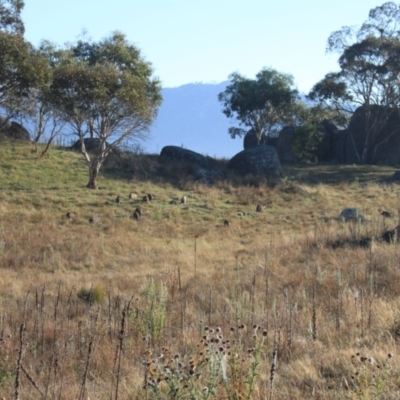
(191, 116)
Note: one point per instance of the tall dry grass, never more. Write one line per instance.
(283, 304)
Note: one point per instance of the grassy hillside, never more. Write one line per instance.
(176, 305)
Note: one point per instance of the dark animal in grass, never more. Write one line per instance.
(392, 235)
(136, 215)
(94, 220)
(259, 208)
(226, 222)
(364, 242)
(118, 199)
(139, 211)
(148, 197)
(183, 200)
(70, 215)
(386, 214)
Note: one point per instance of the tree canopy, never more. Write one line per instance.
(106, 90)
(10, 16)
(369, 75)
(22, 68)
(262, 104)
(306, 143)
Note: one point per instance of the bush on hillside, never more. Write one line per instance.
(307, 143)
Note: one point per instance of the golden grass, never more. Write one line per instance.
(318, 305)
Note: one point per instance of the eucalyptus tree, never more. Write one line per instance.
(263, 104)
(38, 109)
(369, 77)
(22, 67)
(105, 90)
(10, 16)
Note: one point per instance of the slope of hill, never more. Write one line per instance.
(191, 116)
(87, 304)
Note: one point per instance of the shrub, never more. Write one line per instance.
(93, 295)
(306, 143)
(149, 317)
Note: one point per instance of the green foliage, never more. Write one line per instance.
(369, 76)
(150, 320)
(306, 143)
(105, 90)
(262, 104)
(21, 70)
(10, 16)
(93, 295)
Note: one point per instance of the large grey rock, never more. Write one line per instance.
(338, 145)
(93, 145)
(396, 176)
(284, 145)
(13, 130)
(175, 153)
(388, 152)
(17, 131)
(351, 215)
(205, 175)
(259, 160)
(4, 123)
(328, 132)
(250, 140)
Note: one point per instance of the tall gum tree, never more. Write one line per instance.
(22, 68)
(107, 91)
(10, 16)
(369, 77)
(263, 104)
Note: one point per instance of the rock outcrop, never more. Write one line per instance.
(13, 130)
(179, 154)
(388, 152)
(259, 160)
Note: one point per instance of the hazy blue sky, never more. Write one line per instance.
(206, 40)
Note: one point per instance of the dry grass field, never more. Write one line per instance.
(177, 305)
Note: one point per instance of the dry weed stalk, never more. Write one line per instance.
(32, 381)
(314, 314)
(21, 352)
(272, 371)
(120, 347)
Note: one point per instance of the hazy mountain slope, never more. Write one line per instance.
(191, 116)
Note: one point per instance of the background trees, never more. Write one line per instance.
(263, 104)
(369, 77)
(10, 16)
(22, 68)
(105, 90)
(306, 143)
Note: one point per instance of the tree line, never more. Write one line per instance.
(106, 90)
(368, 78)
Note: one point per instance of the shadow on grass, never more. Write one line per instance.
(148, 167)
(338, 173)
